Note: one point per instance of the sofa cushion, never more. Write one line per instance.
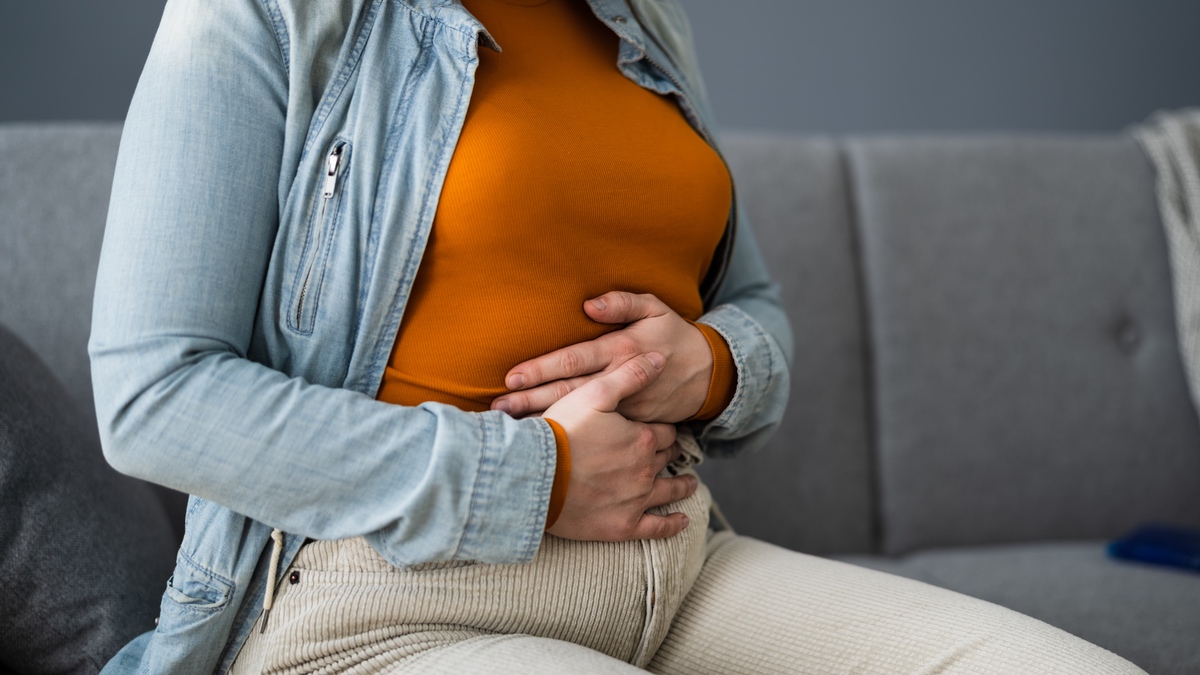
(1145, 613)
(809, 489)
(84, 551)
(54, 184)
(1028, 381)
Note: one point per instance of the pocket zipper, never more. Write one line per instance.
(332, 163)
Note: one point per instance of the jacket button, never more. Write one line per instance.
(294, 578)
(619, 19)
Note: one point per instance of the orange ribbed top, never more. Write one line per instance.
(568, 181)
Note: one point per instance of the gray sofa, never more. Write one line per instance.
(987, 383)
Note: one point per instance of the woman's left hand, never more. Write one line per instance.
(651, 327)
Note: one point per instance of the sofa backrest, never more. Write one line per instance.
(812, 487)
(985, 345)
(1019, 375)
(55, 181)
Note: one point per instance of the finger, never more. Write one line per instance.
(664, 436)
(664, 457)
(670, 490)
(651, 526)
(538, 398)
(579, 359)
(672, 451)
(604, 393)
(622, 307)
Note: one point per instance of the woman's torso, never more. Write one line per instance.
(568, 181)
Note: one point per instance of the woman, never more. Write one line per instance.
(398, 287)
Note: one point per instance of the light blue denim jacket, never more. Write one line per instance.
(276, 183)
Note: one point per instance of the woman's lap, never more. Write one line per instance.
(758, 608)
(754, 608)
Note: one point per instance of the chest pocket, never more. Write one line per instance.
(318, 240)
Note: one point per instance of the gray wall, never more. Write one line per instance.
(802, 65)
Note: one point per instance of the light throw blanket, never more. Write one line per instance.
(1172, 141)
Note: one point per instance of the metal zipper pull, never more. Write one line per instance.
(331, 171)
(332, 162)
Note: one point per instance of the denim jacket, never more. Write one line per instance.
(276, 182)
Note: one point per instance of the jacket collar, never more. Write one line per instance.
(616, 14)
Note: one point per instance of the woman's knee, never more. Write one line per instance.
(790, 612)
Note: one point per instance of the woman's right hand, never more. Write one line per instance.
(615, 462)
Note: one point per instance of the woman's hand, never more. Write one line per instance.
(652, 327)
(615, 462)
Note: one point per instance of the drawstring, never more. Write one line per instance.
(269, 599)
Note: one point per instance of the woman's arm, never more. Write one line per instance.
(192, 222)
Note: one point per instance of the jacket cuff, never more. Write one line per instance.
(761, 384)
(512, 490)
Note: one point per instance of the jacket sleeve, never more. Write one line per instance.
(191, 224)
(748, 314)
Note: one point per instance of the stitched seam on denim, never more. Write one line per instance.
(466, 532)
(741, 358)
(282, 40)
(338, 85)
(382, 348)
(205, 571)
(762, 339)
(549, 447)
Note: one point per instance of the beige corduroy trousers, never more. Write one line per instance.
(701, 602)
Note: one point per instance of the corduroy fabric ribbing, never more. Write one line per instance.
(754, 608)
(758, 608)
(342, 608)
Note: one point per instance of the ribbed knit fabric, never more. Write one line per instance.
(568, 181)
(342, 608)
(562, 473)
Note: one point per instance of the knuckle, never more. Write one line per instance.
(519, 402)
(623, 301)
(561, 389)
(683, 487)
(662, 529)
(532, 373)
(625, 347)
(628, 529)
(646, 441)
(639, 372)
(570, 362)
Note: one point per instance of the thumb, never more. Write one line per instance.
(605, 392)
(622, 307)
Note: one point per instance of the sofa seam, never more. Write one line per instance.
(869, 377)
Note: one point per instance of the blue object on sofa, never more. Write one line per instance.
(987, 383)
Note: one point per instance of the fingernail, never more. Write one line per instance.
(686, 521)
(657, 359)
(598, 304)
(693, 481)
(516, 381)
(504, 407)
